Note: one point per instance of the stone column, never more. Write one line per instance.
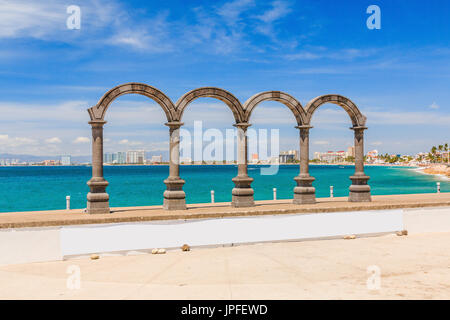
(359, 189)
(97, 198)
(242, 193)
(174, 196)
(304, 192)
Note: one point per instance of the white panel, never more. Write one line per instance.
(29, 245)
(427, 220)
(76, 240)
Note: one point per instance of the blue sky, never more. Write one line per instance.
(399, 76)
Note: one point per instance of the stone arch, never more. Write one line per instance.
(359, 189)
(211, 92)
(357, 118)
(98, 111)
(286, 99)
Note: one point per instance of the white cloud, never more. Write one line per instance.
(376, 143)
(82, 140)
(152, 35)
(325, 53)
(215, 29)
(73, 111)
(15, 144)
(53, 140)
(46, 20)
(31, 19)
(279, 10)
(130, 143)
(231, 11)
(407, 118)
(321, 142)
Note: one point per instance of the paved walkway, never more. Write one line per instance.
(413, 267)
(196, 211)
(416, 266)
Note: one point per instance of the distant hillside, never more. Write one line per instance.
(75, 159)
(32, 158)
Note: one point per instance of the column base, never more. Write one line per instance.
(174, 204)
(174, 196)
(97, 199)
(98, 203)
(359, 189)
(304, 192)
(242, 193)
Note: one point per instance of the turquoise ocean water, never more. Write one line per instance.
(45, 188)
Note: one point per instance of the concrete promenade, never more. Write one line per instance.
(218, 210)
(416, 266)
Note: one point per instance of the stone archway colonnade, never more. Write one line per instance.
(242, 193)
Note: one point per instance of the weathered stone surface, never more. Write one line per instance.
(286, 99)
(211, 92)
(354, 113)
(242, 194)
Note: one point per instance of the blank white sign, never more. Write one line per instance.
(85, 239)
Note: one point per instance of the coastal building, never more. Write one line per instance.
(331, 156)
(6, 162)
(289, 156)
(186, 160)
(351, 152)
(66, 160)
(372, 156)
(110, 157)
(255, 158)
(274, 160)
(51, 162)
(156, 159)
(121, 157)
(136, 157)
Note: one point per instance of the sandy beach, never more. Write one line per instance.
(438, 169)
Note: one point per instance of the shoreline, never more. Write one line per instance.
(441, 171)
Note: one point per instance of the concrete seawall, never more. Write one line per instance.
(58, 235)
(218, 210)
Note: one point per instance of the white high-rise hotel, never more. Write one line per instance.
(136, 157)
(132, 157)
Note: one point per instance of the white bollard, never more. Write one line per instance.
(274, 193)
(67, 202)
(438, 187)
(212, 196)
(331, 192)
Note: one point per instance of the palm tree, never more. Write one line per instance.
(433, 153)
(446, 150)
(440, 148)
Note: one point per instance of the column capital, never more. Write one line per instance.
(304, 126)
(358, 128)
(97, 123)
(174, 124)
(242, 125)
